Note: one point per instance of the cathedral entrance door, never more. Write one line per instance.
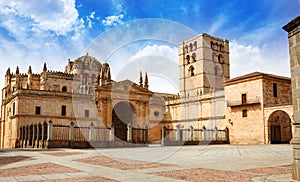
(275, 134)
(122, 115)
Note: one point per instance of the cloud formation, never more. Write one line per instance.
(157, 50)
(113, 20)
(58, 16)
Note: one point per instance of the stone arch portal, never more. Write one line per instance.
(279, 127)
(122, 114)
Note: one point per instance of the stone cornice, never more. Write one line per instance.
(292, 24)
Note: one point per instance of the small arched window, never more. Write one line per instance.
(191, 71)
(220, 59)
(194, 57)
(186, 50)
(195, 45)
(93, 79)
(191, 47)
(188, 59)
(64, 89)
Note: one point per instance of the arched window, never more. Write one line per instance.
(93, 79)
(194, 57)
(220, 59)
(195, 45)
(191, 47)
(191, 71)
(186, 50)
(63, 110)
(85, 79)
(187, 59)
(64, 89)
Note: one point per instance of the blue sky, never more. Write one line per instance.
(33, 32)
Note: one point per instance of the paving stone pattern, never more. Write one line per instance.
(188, 163)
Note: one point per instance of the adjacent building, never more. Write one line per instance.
(259, 109)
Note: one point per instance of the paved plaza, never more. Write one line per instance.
(154, 163)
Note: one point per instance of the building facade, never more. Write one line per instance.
(203, 68)
(259, 109)
(85, 93)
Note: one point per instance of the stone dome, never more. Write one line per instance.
(83, 63)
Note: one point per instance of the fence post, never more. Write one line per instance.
(30, 135)
(112, 132)
(40, 128)
(37, 136)
(34, 134)
(216, 133)
(227, 135)
(177, 129)
(204, 133)
(163, 134)
(191, 133)
(71, 135)
(50, 129)
(91, 132)
(146, 134)
(129, 133)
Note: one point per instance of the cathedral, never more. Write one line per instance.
(85, 93)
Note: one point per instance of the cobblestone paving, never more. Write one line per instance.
(124, 164)
(187, 163)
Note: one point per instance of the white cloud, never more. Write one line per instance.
(59, 16)
(113, 20)
(92, 15)
(157, 50)
(33, 32)
(270, 58)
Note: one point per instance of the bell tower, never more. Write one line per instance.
(203, 65)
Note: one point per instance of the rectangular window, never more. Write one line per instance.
(87, 113)
(244, 98)
(275, 89)
(63, 110)
(245, 114)
(37, 110)
(14, 109)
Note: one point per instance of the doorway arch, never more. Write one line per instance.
(122, 115)
(279, 127)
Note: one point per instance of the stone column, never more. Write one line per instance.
(71, 135)
(177, 129)
(293, 29)
(191, 132)
(146, 134)
(216, 133)
(33, 135)
(49, 130)
(203, 133)
(21, 137)
(26, 135)
(112, 133)
(37, 136)
(163, 135)
(91, 132)
(129, 133)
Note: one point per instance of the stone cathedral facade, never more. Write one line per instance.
(84, 92)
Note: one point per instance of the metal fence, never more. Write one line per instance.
(191, 136)
(49, 135)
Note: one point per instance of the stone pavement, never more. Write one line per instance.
(154, 163)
